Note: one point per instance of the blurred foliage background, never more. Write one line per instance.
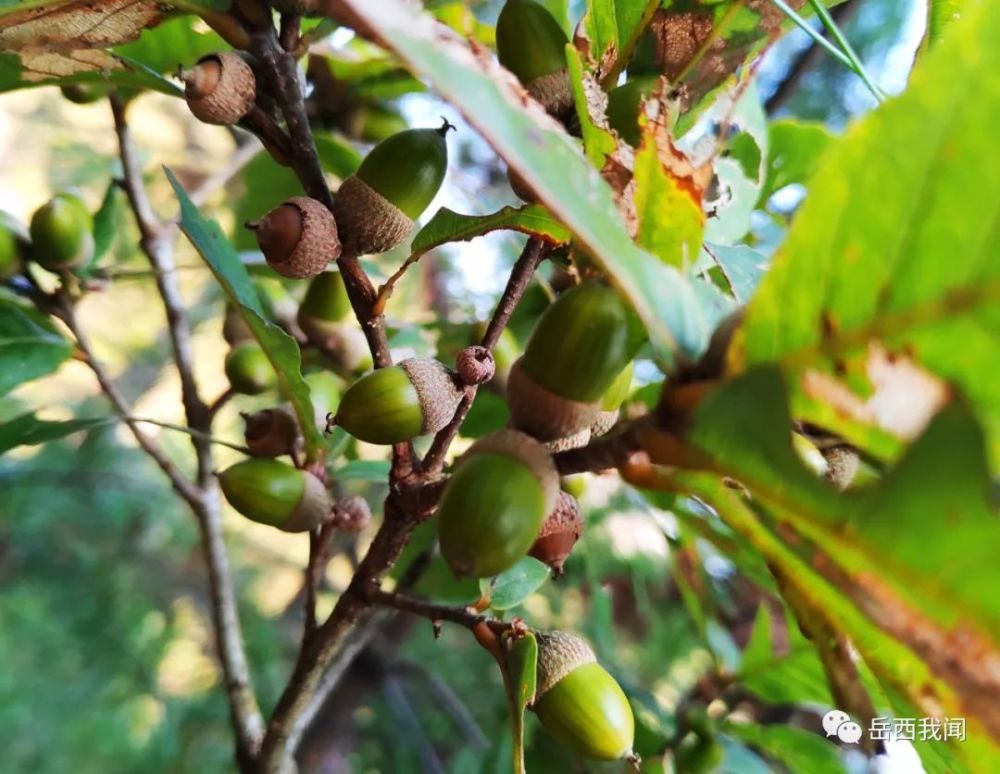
(105, 645)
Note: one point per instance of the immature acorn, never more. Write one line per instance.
(325, 317)
(220, 88)
(493, 505)
(559, 532)
(351, 514)
(532, 45)
(11, 252)
(376, 206)
(624, 103)
(272, 432)
(85, 93)
(62, 233)
(579, 346)
(579, 703)
(390, 405)
(324, 391)
(248, 369)
(277, 494)
(298, 238)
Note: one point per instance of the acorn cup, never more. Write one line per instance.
(493, 505)
(277, 494)
(248, 369)
(532, 45)
(391, 405)
(272, 432)
(376, 207)
(220, 88)
(62, 233)
(12, 251)
(579, 703)
(580, 345)
(558, 534)
(298, 238)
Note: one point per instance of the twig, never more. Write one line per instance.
(203, 498)
(319, 554)
(406, 719)
(464, 616)
(534, 252)
(845, 46)
(216, 405)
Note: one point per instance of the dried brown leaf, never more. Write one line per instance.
(77, 24)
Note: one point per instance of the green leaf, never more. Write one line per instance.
(178, 42)
(795, 148)
(613, 27)
(551, 164)
(598, 141)
(522, 664)
(337, 156)
(29, 430)
(30, 345)
(364, 470)
(281, 349)
(107, 223)
(511, 587)
(448, 226)
(796, 748)
(890, 266)
(742, 266)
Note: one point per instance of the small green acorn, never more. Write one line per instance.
(248, 369)
(12, 250)
(275, 493)
(390, 405)
(532, 45)
(85, 93)
(272, 432)
(494, 503)
(579, 703)
(220, 88)
(324, 391)
(579, 346)
(325, 316)
(234, 327)
(624, 103)
(62, 233)
(298, 238)
(559, 532)
(376, 207)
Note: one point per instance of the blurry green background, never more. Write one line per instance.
(106, 660)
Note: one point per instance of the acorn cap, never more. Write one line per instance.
(275, 493)
(298, 238)
(575, 441)
(436, 388)
(248, 369)
(559, 532)
(271, 432)
(555, 92)
(475, 365)
(578, 702)
(842, 465)
(604, 422)
(62, 233)
(369, 223)
(493, 505)
(530, 42)
(541, 412)
(220, 88)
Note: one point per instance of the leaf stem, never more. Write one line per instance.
(848, 50)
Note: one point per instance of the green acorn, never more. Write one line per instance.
(324, 391)
(579, 703)
(624, 103)
(234, 327)
(298, 238)
(376, 206)
(85, 93)
(390, 405)
(559, 532)
(532, 45)
(493, 505)
(325, 316)
(62, 233)
(275, 493)
(580, 345)
(272, 432)
(12, 250)
(248, 369)
(220, 88)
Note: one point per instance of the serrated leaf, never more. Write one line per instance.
(29, 430)
(511, 587)
(30, 345)
(449, 226)
(889, 270)
(107, 223)
(551, 165)
(281, 349)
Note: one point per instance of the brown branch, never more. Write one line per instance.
(534, 252)
(204, 498)
(464, 616)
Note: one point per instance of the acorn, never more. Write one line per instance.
(376, 207)
(842, 463)
(532, 45)
(325, 316)
(298, 238)
(11, 252)
(272, 432)
(579, 346)
(611, 402)
(390, 405)
(85, 93)
(220, 88)
(559, 532)
(62, 233)
(248, 369)
(275, 493)
(624, 103)
(493, 505)
(324, 391)
(234, 327)
(505, 352)
(579, 703)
